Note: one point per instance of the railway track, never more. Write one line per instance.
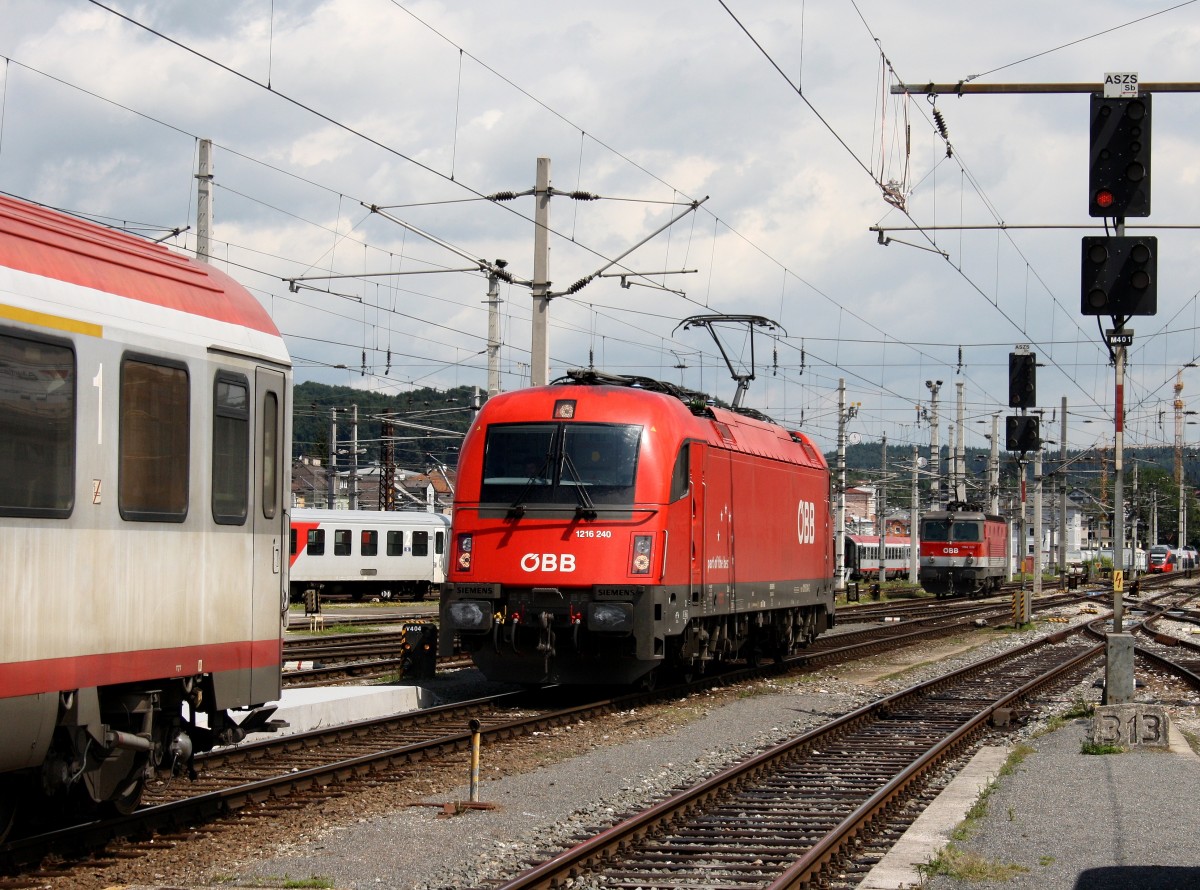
(794, 816)
(801, 814)
(273, 777)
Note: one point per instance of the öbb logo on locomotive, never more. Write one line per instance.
(807, 522)
(548, 562)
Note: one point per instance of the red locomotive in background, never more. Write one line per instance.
(606, 526)
(964, 551)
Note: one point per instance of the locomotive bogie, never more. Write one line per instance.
(627, 533)
(144, 410)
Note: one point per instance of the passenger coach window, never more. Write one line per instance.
(420, 543)
(231, 449)
(316, 542)
(292, 539)
(369, 545)
(395, 543)
(341, 542)
(152, 484)
(37, 428)
(270, 447)
(439, 543)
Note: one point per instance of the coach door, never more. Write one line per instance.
(270, 520)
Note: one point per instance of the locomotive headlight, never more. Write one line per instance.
(643, 548)
(469, 615)
(462, 557)
(610, 616)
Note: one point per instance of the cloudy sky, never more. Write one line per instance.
(777, 114)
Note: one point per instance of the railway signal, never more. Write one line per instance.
(1119, 169)
(1022, 379)
(1119, 275)
(1022, 433)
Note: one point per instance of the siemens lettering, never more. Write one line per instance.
(548, 562)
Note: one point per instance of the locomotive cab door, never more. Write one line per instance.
(712, 528)
(270, 595)
(696, 452)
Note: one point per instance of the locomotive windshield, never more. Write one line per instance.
(935, 530)
(560, 463)
(969, 530)
(952, 530)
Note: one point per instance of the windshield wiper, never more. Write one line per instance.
(585, 508)
(517, 508)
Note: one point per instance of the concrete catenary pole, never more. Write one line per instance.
(331, 470)
(539, 368)
(952, 461)
(839, 544)
(882, 509)
(204, 177)
(994, 467)
(960, 456)
(354, 459)
(914, 520)
(935, 447)
(1062, 492)
(1027, 616)
(493, 346)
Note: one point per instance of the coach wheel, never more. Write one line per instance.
(129, 796)
(10, 793)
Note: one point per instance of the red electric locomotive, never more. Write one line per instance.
(605, 526)
(964, 551)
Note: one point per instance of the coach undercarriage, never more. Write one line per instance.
(108, 742)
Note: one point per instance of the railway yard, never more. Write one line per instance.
(826, 737)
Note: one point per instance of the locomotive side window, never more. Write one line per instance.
(292, 541)
(155, 430)
(341, 542)
(368, 544)
(37, 428)
(316, 542)
(420, 543)
(395, 543)
(679, 475)
(231, 449)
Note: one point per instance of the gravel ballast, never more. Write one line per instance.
(550, 790)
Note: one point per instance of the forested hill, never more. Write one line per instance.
(426, 422)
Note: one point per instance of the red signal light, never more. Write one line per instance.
(1104, 199)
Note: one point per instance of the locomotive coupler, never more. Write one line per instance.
(546, 638)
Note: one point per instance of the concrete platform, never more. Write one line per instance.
(1055, 816)
(320, 706)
